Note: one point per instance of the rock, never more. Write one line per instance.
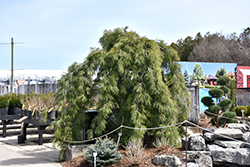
(196, 143)
(246, 137)
(191, 164)
(205, 160)
(195, 155)
(232, 133)
(208, 130)
(242, 127)
(164, 160)
(229, 144)
(75, 151)
(220, 156)
(209, 136)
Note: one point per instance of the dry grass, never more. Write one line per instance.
(134, 152)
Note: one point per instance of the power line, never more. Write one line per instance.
(12, 61)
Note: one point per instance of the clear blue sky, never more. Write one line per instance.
(59, 32)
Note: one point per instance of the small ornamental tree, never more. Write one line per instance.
(133, 77)
(186, 78)
(219, 110)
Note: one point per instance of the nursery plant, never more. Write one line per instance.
(106, 151)
(5, 101)
(133, 77)
(218, 110)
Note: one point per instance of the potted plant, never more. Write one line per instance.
(4, 104)
(15, 105)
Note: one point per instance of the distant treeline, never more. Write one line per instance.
(229, 48)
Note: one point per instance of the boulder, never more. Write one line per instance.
(242, 127)
(220, 156)
(194, 155)
(246, 137)
(229, 144)
(205, 160)
(164, 160)
(191, 164)
(208, 130)
(196, 143)
(75, 151)
(209, 136)
(232, 133)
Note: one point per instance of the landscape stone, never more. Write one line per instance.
(193, 155)
(242, 127)
(209, 136)
(205, 160)
(75, 151)
(229, 144)
(165, 160)
(208, 130)
(232, 133)
(191, 164)
(196, 143)
(240, 156)
(246, 137)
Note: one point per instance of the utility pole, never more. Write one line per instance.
(12, 62)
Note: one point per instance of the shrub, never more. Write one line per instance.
(248, 110)
(161, 143)
(238, 110)
(207, 101)
(225, 104)
(231, 118)
(216, 93)
(5, 101)
(225, 89)
(223, 81)
(135, 152)
(212, 86)
(106, 152)
(15, 101)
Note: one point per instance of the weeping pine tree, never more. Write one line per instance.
(133, 77)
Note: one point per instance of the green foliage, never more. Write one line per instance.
(225, 89)
(232, 87)
(225, 104)
(5, 101)
(197, 72)
(186, 78)
(216, 93)
(220, 108)
(212, 86)
(207, 101)
(223, 81)
(248, 110)
(238, 110)
(221, 72)
(106, 151)
(214, 109)
(230, 118)
(131, 76)
(15, 101)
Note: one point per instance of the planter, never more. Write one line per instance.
(52, 115)
(14, 111)
(4, 111)
(35, 115)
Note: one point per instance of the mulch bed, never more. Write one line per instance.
(80, 161)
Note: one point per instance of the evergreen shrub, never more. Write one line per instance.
(216, 93)
(106, 152)
(238, 110)
(248, 110)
